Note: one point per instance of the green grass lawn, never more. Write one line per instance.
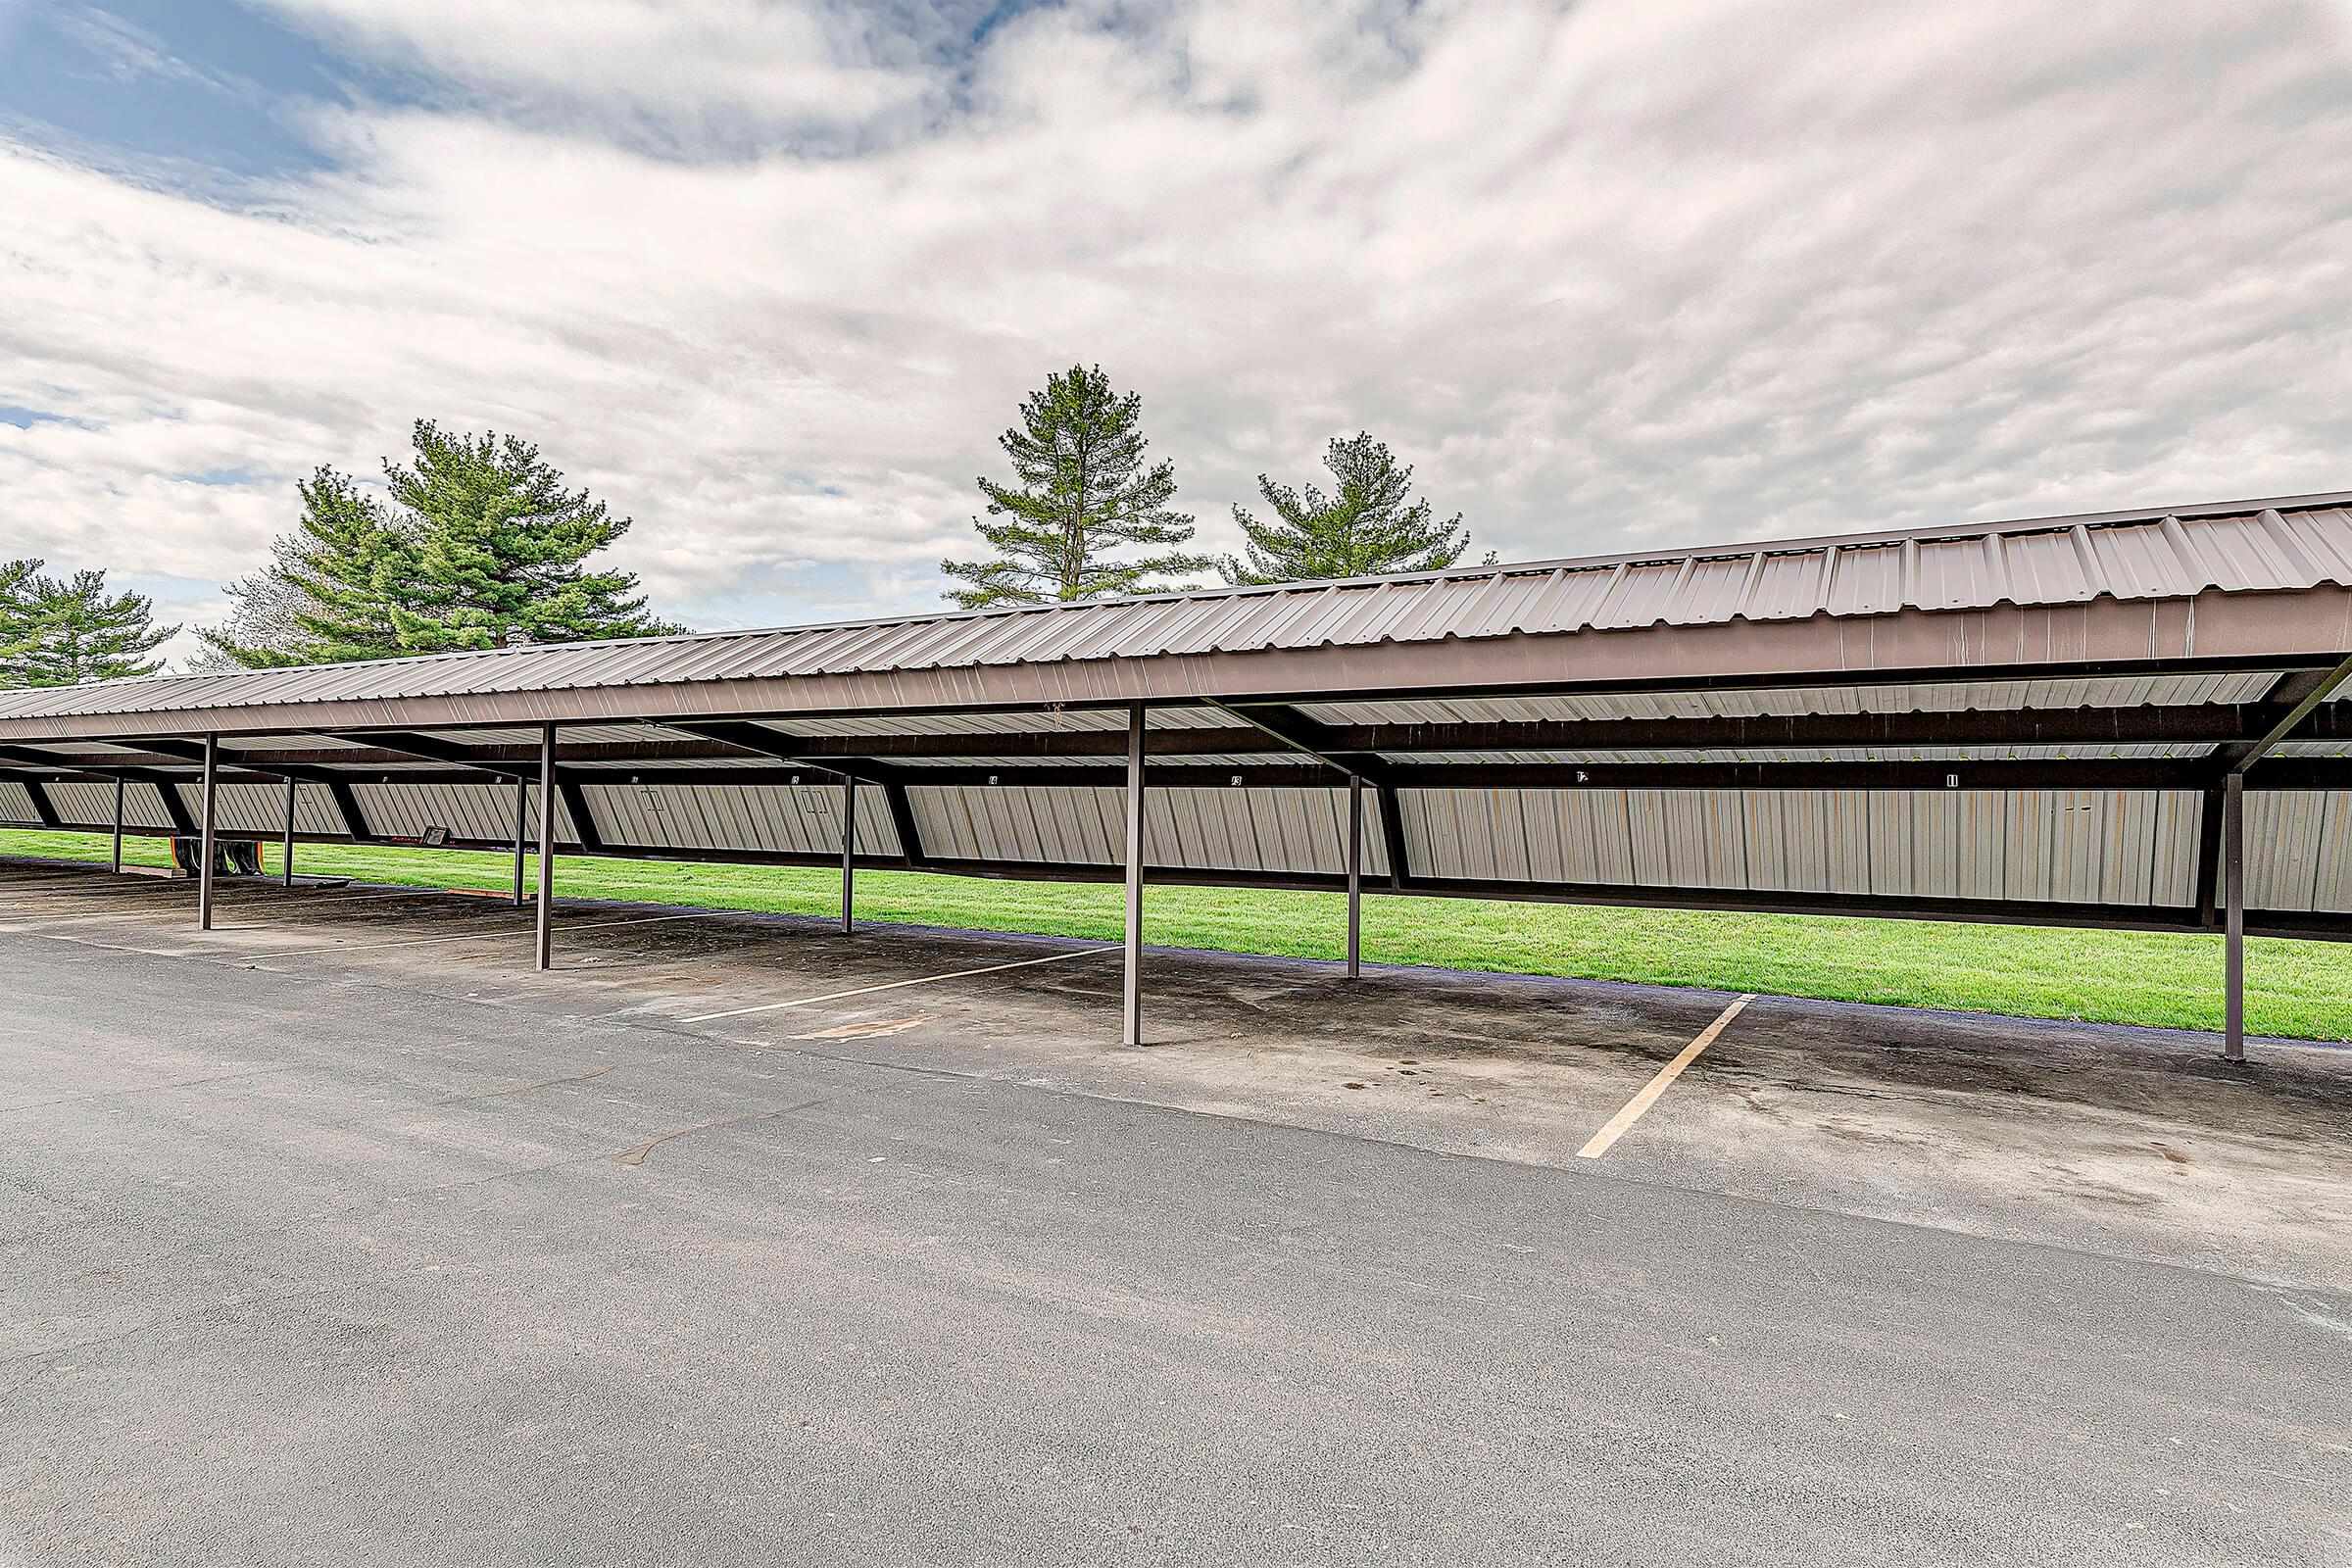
(2297, 989)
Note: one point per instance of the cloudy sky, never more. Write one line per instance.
(770, 278)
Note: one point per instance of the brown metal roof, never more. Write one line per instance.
(2285, 545)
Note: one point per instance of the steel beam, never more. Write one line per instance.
(119, 783)
(849, 852)
(347, 805)
(902, 822)
(45, 811)
(2143, 773)
(760, 741)
(1356, 878)
(192, 751)
(523, 829)
(2000, 773)
(1392, 838)
(426, 749)
(2171, 773)
(2198, 723)
(2209, 855)
(203, 868)
(31, 757)
(1133, 991)
(2292, 700)
(2233, 889)
(175, 807)
(1307, 736)
(583, 820)
(543, 926)
(287, 870)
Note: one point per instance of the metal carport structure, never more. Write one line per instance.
(2124, 720)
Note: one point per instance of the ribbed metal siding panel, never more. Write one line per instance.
(1519, 835)
(1295, 830)
(1706, 839)
(1464, 833)
(2166, 874)
(1082, 826)
(468, 811)
(2299, 849)
(142, 805)
(782, 818)
(16, 804)
(2332, 883)
(1806, 842)
(2131, 847)
(250, 809)
(89, 806)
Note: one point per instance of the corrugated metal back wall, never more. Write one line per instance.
(2121, 848)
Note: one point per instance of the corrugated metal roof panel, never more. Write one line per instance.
(1954, 573)
(2045, 569)
(1791, 587)
(1946, 696)
(1715, 589)
(1867, 580)
(2251, 547)
(272, 743)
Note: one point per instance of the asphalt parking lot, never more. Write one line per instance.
(339, 1235)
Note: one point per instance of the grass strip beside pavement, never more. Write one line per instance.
(2300, 989)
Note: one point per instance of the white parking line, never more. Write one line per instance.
(897, 985)
(1616, 1127)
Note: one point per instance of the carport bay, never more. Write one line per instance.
(2127, 719)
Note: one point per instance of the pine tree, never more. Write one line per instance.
(500, 548)
(480, 539)
(1363, 529)
(20, 631)
(62, 633)
(264, 613)
(326, 595)
(1081, 492)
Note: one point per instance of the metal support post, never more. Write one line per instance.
(849, 847)
(1355, 877)
(203, 868)
(546, 844)
(287, 870)
(2233, 893)
(1135, 875)
(118, 823)
(522, 831)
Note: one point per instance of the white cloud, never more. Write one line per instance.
(678, 75)
(1638, 272)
